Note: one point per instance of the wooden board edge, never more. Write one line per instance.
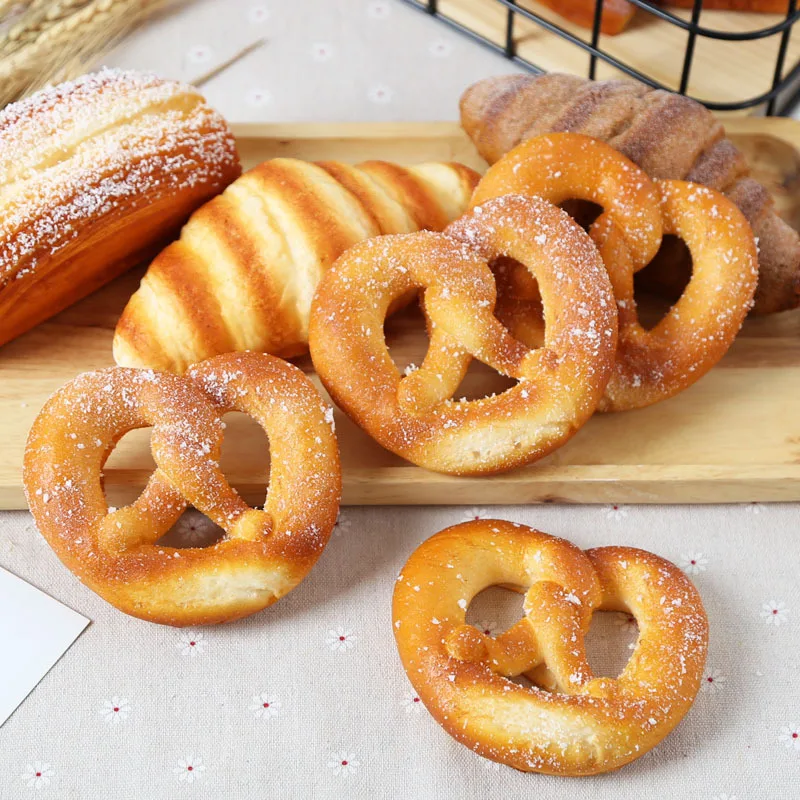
(784, 128)
(345, 130)
(577, 484)
(574, 484)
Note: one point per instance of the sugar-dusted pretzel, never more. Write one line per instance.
(559, 384)
(655, 364)
(115, 552)
(570, 722)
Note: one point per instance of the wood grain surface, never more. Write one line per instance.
(733, 437)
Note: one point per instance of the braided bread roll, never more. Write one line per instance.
(244, 271)
(667, 135)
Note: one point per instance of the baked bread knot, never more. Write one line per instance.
(115, 552)
(559, 384)
(651, 364)
(570, 722)
(670, 136)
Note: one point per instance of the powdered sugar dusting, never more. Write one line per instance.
(415, 414)
(264, 553)
(105, 144)
(569, 722)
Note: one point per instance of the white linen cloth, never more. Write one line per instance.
(332, 699)
(276, 704)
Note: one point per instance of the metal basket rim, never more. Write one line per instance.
(780, 80)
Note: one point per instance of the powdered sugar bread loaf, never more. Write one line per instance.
(247, 264)
(669, 136)
(93, 174)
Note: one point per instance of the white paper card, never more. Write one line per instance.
(35, 631)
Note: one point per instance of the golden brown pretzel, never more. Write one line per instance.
(655, 364)
(578, 724)
(115, 552)
(559, 384)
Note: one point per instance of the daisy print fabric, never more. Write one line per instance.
(308, 698)
(189, 769)
(115, 710)
(191, 644)
(265, 706)
(615, 512)
(344, 764)
(38, 775)
(775, 613)
(693, 563)
(340, 640)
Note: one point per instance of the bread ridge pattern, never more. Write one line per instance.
(244, 271)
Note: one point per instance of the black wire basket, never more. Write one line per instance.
(781, 91)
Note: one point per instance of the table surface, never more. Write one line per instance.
(197, 698)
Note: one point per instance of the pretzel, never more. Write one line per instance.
(570, 722)
(651, 365)
(559, 385)
(115, 552)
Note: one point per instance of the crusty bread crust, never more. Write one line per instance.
(93, 175)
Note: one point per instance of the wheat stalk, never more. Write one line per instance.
(9, 13)
(7, 6)
(38, 17)
(55, 41)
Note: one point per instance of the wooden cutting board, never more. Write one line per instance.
(732, 437)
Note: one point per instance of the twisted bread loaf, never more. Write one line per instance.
(668, 135)
(247, 264)
(93, 174)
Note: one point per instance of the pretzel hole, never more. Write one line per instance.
(406, 338)
(193, 529)
(131, 453)
(481, 381)
(662, 282)
(523, 681)
(244, 454)
(496, 609)
(610, 642)
(584, 212)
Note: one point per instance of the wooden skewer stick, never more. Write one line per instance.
(214, 71)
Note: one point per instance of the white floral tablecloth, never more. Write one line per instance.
(309, 699)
